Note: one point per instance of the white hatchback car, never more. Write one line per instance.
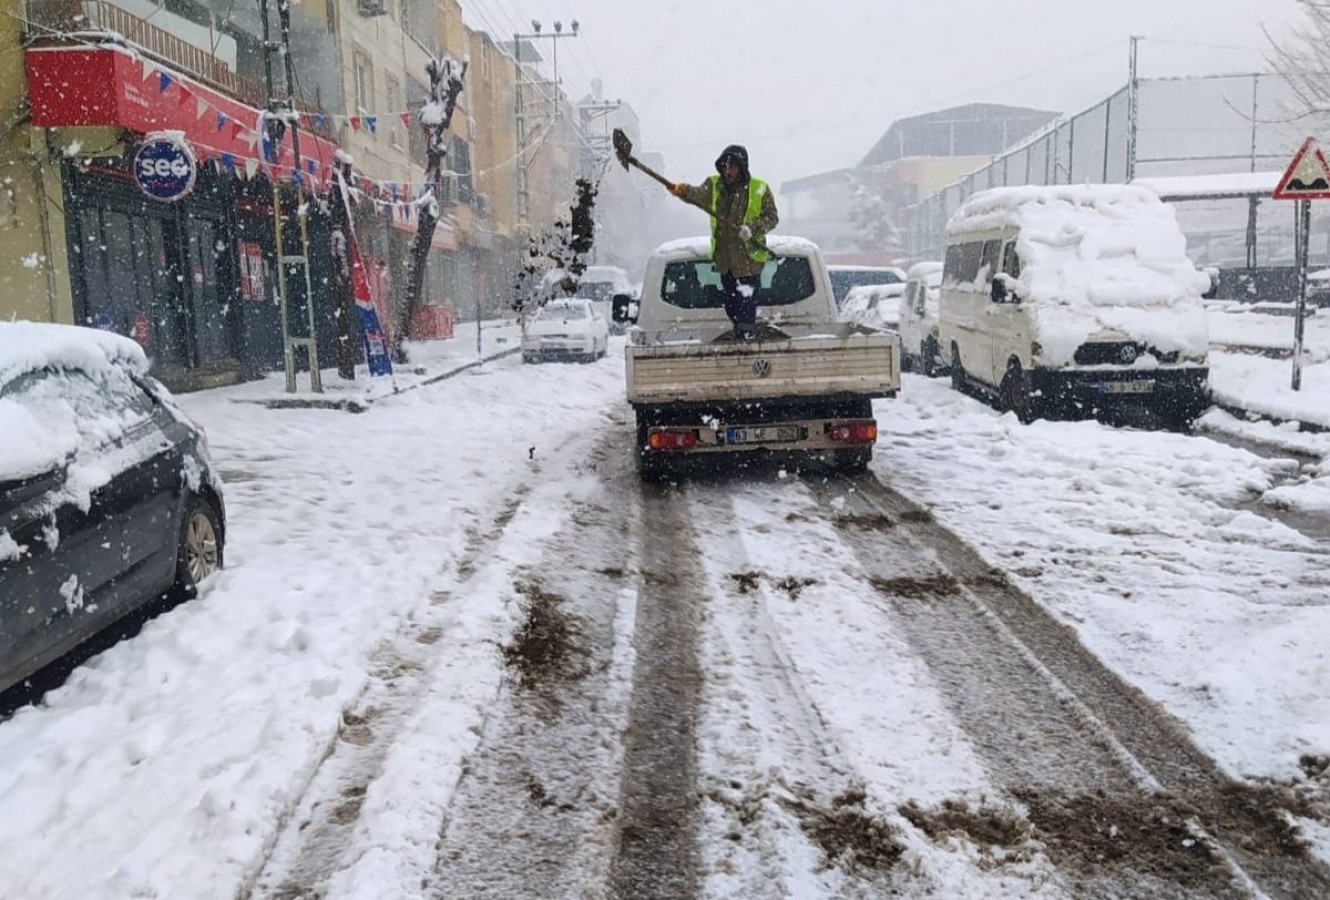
(565, 330)
(873, 305)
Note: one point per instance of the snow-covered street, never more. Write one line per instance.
(453, 631)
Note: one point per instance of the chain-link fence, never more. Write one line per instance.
(1184, 126)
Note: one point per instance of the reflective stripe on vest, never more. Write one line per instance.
(757, 189)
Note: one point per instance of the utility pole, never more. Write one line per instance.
(279, 116)
(524, 134)
(1133, 109)
(599, 147)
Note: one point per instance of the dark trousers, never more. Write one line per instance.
(741, 301)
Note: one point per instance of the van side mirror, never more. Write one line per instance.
(1003, 290)
(623, 309)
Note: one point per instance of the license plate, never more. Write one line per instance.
(1143, 386)
(767, 434)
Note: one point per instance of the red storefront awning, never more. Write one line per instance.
(111, 85)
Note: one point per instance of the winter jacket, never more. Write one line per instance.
(732, 209)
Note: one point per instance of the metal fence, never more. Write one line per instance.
(1184, 126)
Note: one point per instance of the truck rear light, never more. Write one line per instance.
(672, 439)
(861, 432)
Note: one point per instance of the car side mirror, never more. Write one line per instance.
(623, 309)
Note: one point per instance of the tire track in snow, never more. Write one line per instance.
(1051, 719)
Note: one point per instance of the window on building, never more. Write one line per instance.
(364, 84)
(461, 164)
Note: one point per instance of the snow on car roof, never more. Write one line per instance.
(924, 270)
(779, 244)
(28, 346)
(1090, 245)
(881, 290)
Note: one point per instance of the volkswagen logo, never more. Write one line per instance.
(1127, 354)
(762, 368)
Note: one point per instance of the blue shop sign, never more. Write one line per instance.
(164, 167)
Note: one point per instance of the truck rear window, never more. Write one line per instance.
(695, 284)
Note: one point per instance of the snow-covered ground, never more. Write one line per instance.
(166, 766)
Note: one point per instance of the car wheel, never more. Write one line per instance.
(200, 549)
(1015, 393)
(957, 370)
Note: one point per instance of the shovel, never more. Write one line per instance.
(623, 149)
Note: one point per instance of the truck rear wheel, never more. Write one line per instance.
(853, 462)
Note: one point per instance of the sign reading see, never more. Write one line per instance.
(164, 167)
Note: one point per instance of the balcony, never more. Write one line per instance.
(82, 21)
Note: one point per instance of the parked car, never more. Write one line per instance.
(874, 306)
(108, 498)
(1074, 300)
(920, 350)
(845, 278)
(564, 330)
(598, 284)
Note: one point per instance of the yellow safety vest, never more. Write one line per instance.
(757, 189)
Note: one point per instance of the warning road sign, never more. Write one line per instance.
(1308, 176)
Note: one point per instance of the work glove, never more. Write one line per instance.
(676, 189)
(745, 233)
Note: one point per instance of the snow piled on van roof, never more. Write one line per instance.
(1096, 257)
(1095, 245)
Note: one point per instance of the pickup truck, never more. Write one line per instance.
(805, 384)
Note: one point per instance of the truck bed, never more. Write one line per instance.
(819, 365)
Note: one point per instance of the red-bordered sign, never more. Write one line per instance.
(1308, 176)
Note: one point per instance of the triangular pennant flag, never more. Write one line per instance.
(236, 129)
(406, 120)
(321, 123)
(221, 121)
(372, 123)
(366, 186)
(185, 95)
(228, 163)
(163, 82)
(251, 139)
(148, 69)
(251, 166)
(200, 107)
(355, 123)
(310, 166)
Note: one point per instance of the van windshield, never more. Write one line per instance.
(695, 284)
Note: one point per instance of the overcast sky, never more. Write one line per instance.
(810, 86)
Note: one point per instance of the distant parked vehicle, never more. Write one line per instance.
(874, 306)
(920, 350)
(845, 278)
(598, 284)
(1072, 301)
(565, 330)
(108, 499)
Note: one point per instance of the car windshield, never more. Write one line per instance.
(695, 284)
(563, 313)
(845, 280)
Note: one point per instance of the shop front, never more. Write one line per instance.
(191, 277)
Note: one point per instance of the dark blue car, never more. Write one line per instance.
(108, 499)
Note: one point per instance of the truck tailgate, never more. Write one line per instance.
(862, 364)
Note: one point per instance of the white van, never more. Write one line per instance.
(920, 350)
(1074, 300)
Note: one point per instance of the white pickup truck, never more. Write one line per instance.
(806, 384)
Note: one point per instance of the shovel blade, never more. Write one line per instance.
(623, 147)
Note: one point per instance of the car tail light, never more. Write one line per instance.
(672, 439)
(860, 432)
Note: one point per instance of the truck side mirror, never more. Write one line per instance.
(623, 309)
(1002, 290)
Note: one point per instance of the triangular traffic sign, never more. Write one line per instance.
(1308, 176)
